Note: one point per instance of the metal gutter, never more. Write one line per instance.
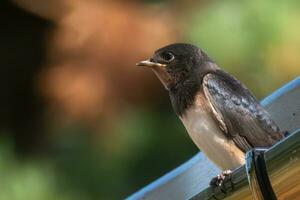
(283, 168)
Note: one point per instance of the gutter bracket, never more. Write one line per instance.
(257, 175)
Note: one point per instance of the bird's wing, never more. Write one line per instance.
(238, 113)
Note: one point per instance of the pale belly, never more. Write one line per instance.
(206, 134)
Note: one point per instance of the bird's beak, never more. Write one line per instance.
(148, 63)
(160, 70)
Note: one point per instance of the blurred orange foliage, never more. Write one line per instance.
(92, 50)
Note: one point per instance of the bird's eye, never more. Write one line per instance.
(167, 56)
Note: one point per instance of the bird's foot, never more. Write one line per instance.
(218, 180)
(286, 133)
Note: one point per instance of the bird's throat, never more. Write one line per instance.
(183, 95)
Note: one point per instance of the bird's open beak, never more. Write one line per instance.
(148, 63)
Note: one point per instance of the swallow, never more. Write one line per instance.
(220, 114)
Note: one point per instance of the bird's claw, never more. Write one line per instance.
(218, 180)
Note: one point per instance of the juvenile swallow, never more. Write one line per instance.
(219, 113)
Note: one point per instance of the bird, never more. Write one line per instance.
(222, 117)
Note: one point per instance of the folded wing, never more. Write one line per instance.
(238, 113)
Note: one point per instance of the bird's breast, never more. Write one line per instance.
(206, 134)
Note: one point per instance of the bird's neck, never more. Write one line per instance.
(183, 94)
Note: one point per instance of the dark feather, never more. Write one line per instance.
(238, 113)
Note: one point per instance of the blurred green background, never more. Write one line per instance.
(80, 121)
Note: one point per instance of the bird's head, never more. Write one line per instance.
(177, 63)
